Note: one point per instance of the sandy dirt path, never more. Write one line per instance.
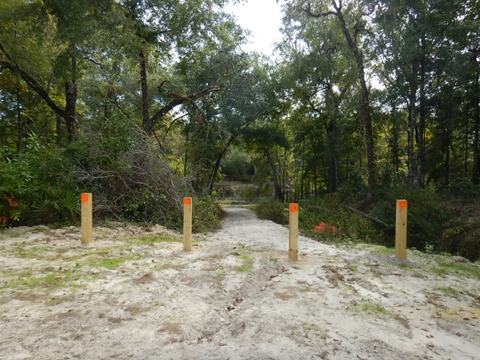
(236, 296)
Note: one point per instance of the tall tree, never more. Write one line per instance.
(350, 17)
(59, 30)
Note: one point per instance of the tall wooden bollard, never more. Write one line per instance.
(293, 232)
(401, 230)
(86, 231)
(187, 224)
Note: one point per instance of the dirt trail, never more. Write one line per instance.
(235, 296)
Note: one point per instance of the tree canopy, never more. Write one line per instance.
(360, 95)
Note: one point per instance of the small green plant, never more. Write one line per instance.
(372, 308)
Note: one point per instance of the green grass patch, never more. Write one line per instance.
(155, 239)
(111, 263)
(375, 249)
(445, 266)
(29, 252)
(372, 308)
(247, 261)
(352, 267)
(450, 291)
(49, 280)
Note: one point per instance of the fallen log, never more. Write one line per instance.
(370, 217)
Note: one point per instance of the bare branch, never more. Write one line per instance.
(93, 61)
(31, 82)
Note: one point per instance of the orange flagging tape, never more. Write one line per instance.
(84, 197)
(187, 201)
(294, 207)
(402, 204)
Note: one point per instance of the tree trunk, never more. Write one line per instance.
(423, 114)
(365, 113)
(447, 165)
(466, 151)
(70, 104)
(185, 159)
(19, 116)
(394, 144)
(302, 180)
(216, 166)
(147, 124)
(71, 94)
(476, 132)
(279, 194)
(412, 99)
(332, 157)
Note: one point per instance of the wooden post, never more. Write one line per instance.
(293, 232)
(187, 224)
(86, 231)
(401, 230)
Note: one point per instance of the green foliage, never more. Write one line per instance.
(426, 218)
(329, 209)
(272, 210)
(237, 166)
(41, 180)
(207, 215)
(249, 193)
(433, 224)
(463, 189)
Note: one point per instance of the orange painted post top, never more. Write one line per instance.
(84, 197)
(187, 201)
(402, 204)
(294, 207)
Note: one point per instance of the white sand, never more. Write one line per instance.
(335, 303)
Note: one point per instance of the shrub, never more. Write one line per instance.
(237, 166)
(207, 215)
(135, 184)
(427, 219)
(125, 170)
(37, 185)
(272, 210)
(329, 211)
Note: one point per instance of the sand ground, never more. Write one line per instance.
(136, 295)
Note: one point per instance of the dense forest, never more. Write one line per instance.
(144, 101)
